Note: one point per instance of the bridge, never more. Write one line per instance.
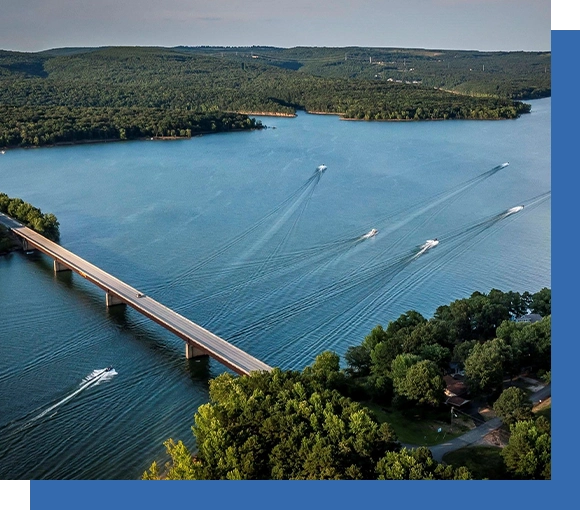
(198, 341)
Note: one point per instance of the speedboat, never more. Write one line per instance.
(514, 210)
(429, 243)
(108, 369)
(373, 232)
(321, 168)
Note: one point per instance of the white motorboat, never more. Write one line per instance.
(514, 210)
(429, 243)
(373, 232)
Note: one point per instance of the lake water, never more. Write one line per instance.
(241, 234)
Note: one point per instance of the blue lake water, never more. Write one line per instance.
(241, 234)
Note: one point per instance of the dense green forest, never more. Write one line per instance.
(511, 75)
(314, 424)
(32, 217)
(159, 84)
(43, 125)
(477, 333)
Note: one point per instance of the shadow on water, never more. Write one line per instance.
(168, 349)
(85, 293)
(199, 369)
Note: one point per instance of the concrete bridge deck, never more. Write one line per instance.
(199, 341)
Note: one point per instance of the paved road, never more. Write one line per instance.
(469, 438)
(478, 433)
(224, 352)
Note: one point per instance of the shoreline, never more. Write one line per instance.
(342, 117)
(258, 114)
(416, 120)
(113, 140)
(267, 114)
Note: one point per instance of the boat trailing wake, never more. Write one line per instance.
(513, 210)
(95, 378)
(371, 233)
(427, 245)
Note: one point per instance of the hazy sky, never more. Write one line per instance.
(34, 25)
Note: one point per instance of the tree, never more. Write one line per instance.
(376, 336)
(486, 313)
(542, 302)
(401, 364)
(476, 317)
(508, 330)
(417, 464)
(458, 315)
(408, 320)
(516, 303)
(439, 355)
(427, 333)
(528, 453)
(281, 425)
(513, 405)
(484, 367)
(385, 345)
(533, 344)
(183, 465)
(382, 356)
(358, 359)
(419, 381)
(462, 351)
(32, 217)
(326, 370)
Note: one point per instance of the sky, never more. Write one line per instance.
(485, 25)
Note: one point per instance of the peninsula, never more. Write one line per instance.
(72, 95)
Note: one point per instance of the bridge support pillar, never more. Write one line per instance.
(192, 351)
(60, 267)
(25, 245)
(113, 300)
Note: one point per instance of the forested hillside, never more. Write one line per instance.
(357, 83)
(512, 75)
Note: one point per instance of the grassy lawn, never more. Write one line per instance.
(421, 430)
(484, 462)
(544, 409)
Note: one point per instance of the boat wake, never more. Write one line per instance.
(95, 378)
(427, 245)
(513, 210)
(373, 232)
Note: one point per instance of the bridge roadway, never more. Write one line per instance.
(118, 292)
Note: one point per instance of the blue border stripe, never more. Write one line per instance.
(565, 202)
